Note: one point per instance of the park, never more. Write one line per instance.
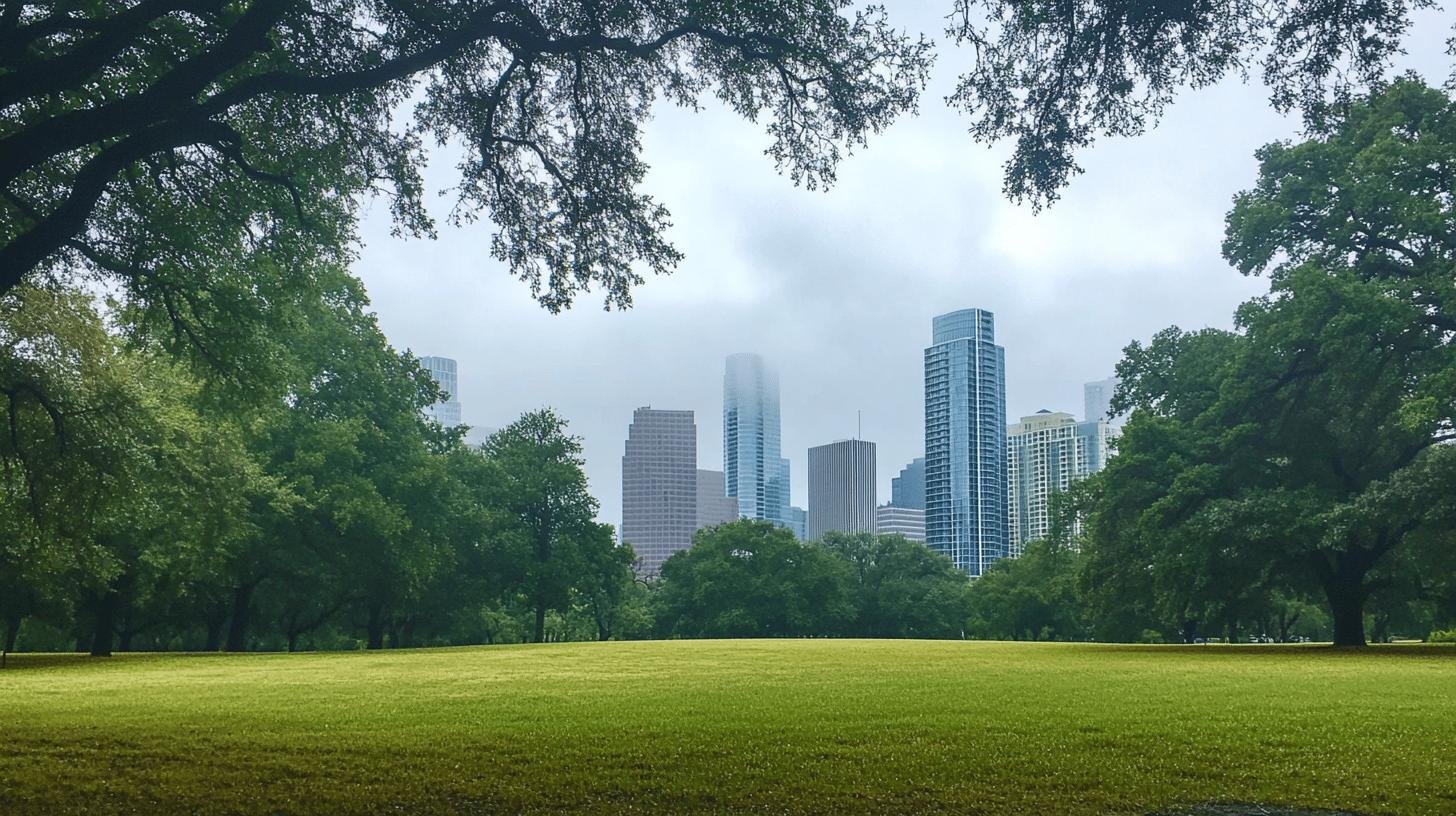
(743, 726)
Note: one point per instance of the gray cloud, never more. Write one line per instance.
(837, 289)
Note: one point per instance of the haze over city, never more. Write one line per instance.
(837, 289)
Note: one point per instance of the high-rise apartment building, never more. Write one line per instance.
(965, 441)
(659, 485)
(715, 506)
(908, 489)
(1047, 452)
(755, 472)
(905, 521)
(842, 488)
(446, 411)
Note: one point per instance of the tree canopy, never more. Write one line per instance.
(204, 158)
(1311, 451)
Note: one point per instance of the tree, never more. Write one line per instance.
(156, 143)
(1317, 462)
(1031, 597)
(546, 516)
(606, 584)
(752, 579)
(902, 588)
(207, 148)
(1053, 76)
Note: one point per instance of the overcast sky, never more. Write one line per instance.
(836, 289)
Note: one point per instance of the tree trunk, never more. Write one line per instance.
(375, 627)
(12, 632)
(237, 639)
(105, 624)
(540, 623)
(292, 641)
(214, 635)
(1345, 592)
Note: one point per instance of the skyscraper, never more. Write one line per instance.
(908, 489)
(905, 521)
(1047, 452)
(659, 485)
(1097, 399)
(446, 411)
(756, 474)
(715, 506)
(842, 488)
(965, 440)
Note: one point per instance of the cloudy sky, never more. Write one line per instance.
(836, 289)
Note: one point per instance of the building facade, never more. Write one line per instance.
(905, 521)
(965, 441)
(446, 411)
(798, 522)
(908, 489)
(1097, 399)
(841, 488)
(754, 470)
(1046, 453)
(659, 485)
(715, 506)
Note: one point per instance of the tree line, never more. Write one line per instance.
(146, 507)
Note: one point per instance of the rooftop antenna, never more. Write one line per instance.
(858, 423)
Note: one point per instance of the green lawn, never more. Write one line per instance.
(788, 726)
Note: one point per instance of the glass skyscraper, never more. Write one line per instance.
(446, 411)
(908, 489)
(965, 441)
(755, 472)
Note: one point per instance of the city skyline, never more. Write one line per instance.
(837, 285)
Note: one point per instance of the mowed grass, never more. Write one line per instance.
(788, 726)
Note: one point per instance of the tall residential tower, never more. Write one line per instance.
(1047, 452)
(965, 441)
(446, 411)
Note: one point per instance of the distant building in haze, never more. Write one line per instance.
(659, 485)
(905, 521)
(841, 488)
(908, 489)
(1097, 400)
(753, 468)
(446, 411)
(965, 441)
(798, 522)
(714, 505)
(1047, 452)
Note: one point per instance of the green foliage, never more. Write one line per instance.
(1304, 454)
(181, 153)
(1054, 76)
(831, 726)
(1443, 636)
(1032, 597)
(902, 588)
(752, 579)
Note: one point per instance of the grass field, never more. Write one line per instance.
(789, 726)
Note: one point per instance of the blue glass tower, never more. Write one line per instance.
(965, 441)
(753, 469)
